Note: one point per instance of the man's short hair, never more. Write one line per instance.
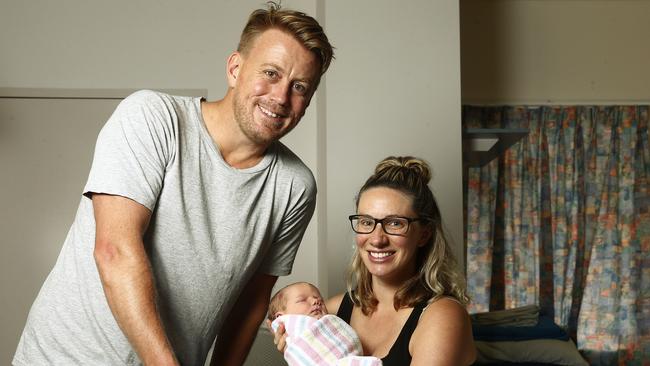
(301, 26)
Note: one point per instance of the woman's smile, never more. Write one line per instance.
(388, 255)
(380, 256)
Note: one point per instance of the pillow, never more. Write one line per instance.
(524, 316)
(538, 350)
(545, 329)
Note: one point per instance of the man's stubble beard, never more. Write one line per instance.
(244, 119)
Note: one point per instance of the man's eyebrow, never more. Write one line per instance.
(277, 67)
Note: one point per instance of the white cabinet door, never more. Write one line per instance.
(46, 148)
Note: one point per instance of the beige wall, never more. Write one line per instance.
(555, 51)
(394, 89)
(147, 44)
(119, 44)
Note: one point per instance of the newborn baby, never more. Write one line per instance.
(313, 336)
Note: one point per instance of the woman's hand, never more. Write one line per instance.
(279, 337)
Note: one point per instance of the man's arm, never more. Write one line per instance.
(126, 276)
(240, 328)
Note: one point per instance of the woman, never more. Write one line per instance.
(405, 297)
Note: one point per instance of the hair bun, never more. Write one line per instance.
(397, 164)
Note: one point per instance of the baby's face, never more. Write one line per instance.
(304, 299)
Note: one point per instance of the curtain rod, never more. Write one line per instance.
(564, 102)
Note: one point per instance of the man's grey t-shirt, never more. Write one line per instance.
(212, 227)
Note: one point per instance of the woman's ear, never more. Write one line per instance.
(233, 66)
(425, 237)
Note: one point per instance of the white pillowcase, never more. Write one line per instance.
(537, 350)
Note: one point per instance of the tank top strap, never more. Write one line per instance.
(345, 309)
(399, 352)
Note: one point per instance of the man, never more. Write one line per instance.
(191, 211)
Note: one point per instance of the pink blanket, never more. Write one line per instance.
(325, 341)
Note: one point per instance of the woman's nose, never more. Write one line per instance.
(378, 237)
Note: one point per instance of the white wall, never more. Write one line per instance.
(555, 51)
(393, 89)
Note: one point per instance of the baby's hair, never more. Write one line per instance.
(279, 301)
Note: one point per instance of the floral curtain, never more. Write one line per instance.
(562, 219)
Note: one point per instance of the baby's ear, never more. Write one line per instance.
(277, 315)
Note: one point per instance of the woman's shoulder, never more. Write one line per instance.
(442, 313)
(334, 302)
(443, 326)
(443, 307)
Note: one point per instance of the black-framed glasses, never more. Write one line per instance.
(392, 225)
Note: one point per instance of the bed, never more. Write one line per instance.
(522, 336)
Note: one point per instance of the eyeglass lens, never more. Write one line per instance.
(390, 225)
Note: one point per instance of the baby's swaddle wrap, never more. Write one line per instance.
(326, 341)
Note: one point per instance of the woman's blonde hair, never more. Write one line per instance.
(437, 273)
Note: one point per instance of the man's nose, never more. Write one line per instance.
(280, 92)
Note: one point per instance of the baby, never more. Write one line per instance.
(297, 298)
(313, 336)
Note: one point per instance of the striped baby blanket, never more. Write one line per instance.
(326, 341)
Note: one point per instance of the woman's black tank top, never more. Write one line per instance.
(399, 353)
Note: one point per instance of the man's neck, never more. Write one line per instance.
(235, 148)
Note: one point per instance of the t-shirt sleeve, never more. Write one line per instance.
(134, 149)
(278, 261)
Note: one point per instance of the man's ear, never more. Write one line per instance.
(233, 66)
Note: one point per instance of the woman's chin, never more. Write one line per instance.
(379, 269)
